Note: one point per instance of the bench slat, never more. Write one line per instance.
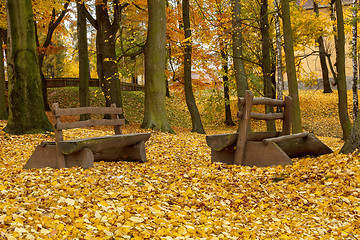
(86, 110)
(286, 137)
(102, 144)
(263, 116)
(264, 101)
(89, 123)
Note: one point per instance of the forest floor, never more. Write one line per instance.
(178, 193)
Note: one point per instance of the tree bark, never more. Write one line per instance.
(239, 67)
(290, 67)
(84, 68)
(106, 29)
(354, 61)
(279, 65)
(189, 95)
(52, 26)
(322, 55)
(225, 67)
(155, 116)
(26, 106)
(266, 60)
(352, 143)
(3, 108)
(341, 77)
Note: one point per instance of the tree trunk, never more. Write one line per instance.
(189, 95)
(322, 55)
(84, 68)
(106, 55)
(341, 77)
(52, 26)
(279, 66)
(26, 106)
(266, 60)
(155, 54)
(290, 68)
(354, 61)
(239, 67)
(225, 67)
(352, 143)
(3, 108)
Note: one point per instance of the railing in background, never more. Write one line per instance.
(94, 82)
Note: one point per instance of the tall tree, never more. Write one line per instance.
(266, 60)
(239, 67)
(354, 60)
(322, 55)
(53, 24)
(3, 108)
(226, 82)
(155, 56)
(84, 68)
(341, 76)
(26, 106)
(290, 67)
(279, 65)
(189, 95)
(106, 28)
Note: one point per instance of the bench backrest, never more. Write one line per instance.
(113, 111)
(246, 114)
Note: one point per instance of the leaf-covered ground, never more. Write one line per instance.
(178, 193)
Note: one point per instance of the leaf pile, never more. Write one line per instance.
(177, 194)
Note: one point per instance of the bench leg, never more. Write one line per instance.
(135, 152)
(225, 155)
(60, 159)
(83, 158)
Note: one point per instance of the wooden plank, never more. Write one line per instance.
(218, 142)
(263, 116)
(58, 133)
(89, 123)
(86, 110)
(267, 116)
(301, 147)
(243, 129)
(102, 144)
(286, 128)
(286, 137)
(117, 128)
(263, 101)
(261, 155)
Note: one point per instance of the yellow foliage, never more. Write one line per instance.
(179, 194)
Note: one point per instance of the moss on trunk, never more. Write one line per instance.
(26, 106)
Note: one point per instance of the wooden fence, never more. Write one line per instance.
(94, 82)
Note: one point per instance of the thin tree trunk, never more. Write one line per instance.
(189, 95)
(3, 108)
(280, 81)
(26, 106)
(266, 60)
(84, 68)
(290, 68)
(322, 55)
(54, 23)
(106, 29)
(333, 19)
(225, 67)
(341, 83)
(239, 67)
(354, 61)
(155, 116)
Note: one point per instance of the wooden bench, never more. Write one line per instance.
(263, 148)
(83, 152)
